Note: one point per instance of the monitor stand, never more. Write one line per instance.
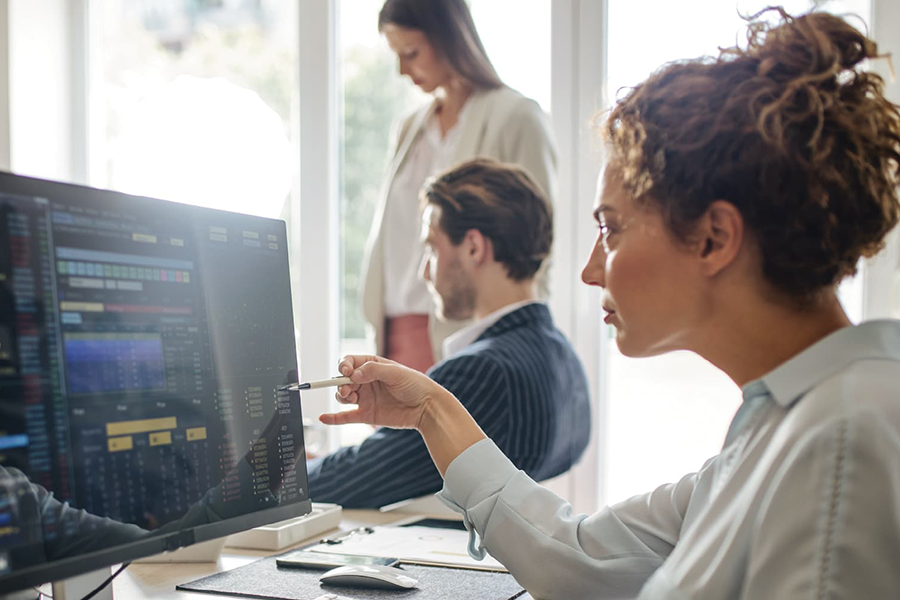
(207, 551)
(73, 588)
(80, 586)
(26, 594)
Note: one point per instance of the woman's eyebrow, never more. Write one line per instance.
(602, 209)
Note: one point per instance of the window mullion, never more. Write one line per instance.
(314, 254)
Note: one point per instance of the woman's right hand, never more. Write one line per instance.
(386, 393)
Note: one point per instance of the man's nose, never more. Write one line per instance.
(425, 269)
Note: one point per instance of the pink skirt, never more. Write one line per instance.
(407, 341)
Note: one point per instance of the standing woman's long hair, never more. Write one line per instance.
(450, 29)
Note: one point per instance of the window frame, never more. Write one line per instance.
(314, 249)
(578, 56)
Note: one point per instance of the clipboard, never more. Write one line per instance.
(412, 544)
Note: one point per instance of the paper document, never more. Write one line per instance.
(414, 545)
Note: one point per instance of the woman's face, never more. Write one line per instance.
(650, 280)
(417, 57)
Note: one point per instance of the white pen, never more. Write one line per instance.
(311, 385)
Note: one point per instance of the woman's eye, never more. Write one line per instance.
(606, 233)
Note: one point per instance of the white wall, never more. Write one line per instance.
(40, 88)
(881, 272)
(4, 84)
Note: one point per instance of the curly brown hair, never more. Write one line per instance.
(789, 129)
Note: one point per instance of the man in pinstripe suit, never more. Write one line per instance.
(487, 229)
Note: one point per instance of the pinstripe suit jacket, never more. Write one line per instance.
(523, 384)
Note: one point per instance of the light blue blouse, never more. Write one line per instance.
(802, 502)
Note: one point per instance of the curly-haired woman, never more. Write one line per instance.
(739, 192)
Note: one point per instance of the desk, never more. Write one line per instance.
(157, 581)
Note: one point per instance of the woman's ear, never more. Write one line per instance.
(720, 232)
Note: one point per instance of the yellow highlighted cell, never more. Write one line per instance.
(118, 444)
(141, 426)
(161, 438)
(81, 306)
(112, 336)
(196, 433)
(143, 237)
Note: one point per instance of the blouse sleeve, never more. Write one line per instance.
(552, 552)
(528, 142)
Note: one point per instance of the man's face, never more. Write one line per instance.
(444, 272)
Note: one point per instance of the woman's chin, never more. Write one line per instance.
(630, 347)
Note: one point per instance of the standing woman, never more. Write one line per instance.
(473, 114)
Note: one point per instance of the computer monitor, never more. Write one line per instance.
(142, 347)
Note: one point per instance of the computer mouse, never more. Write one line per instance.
(369, 576)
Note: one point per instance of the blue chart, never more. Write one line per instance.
(114, 362)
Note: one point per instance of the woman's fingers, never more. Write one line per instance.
(389, 373)
(341, 418)
(351, 398)
(350, 362)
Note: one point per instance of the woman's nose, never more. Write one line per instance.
(594, 272)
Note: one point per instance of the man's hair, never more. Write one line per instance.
(502, 202)
(791, 129)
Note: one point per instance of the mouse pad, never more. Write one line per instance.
(264, 579)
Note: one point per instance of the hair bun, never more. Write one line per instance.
(790, 128)
(814, 43)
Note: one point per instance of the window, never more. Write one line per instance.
(375, 95)
(894, 281)
(141, 48)
(691, 403)
(192, 101)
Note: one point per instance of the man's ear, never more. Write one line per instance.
(720, 233)
(476, 247)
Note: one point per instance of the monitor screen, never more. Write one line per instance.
(142, 345)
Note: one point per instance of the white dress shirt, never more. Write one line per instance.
(468, 334)
(802, 502)
(431, 153)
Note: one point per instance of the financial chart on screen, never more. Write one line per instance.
(141, 347)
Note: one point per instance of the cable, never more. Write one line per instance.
(100, 587)
(41, 595)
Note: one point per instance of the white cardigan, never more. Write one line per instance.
(501, 124)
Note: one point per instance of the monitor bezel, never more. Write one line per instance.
(65, 568)
(58, 570)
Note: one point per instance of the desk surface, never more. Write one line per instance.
(157, 581)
